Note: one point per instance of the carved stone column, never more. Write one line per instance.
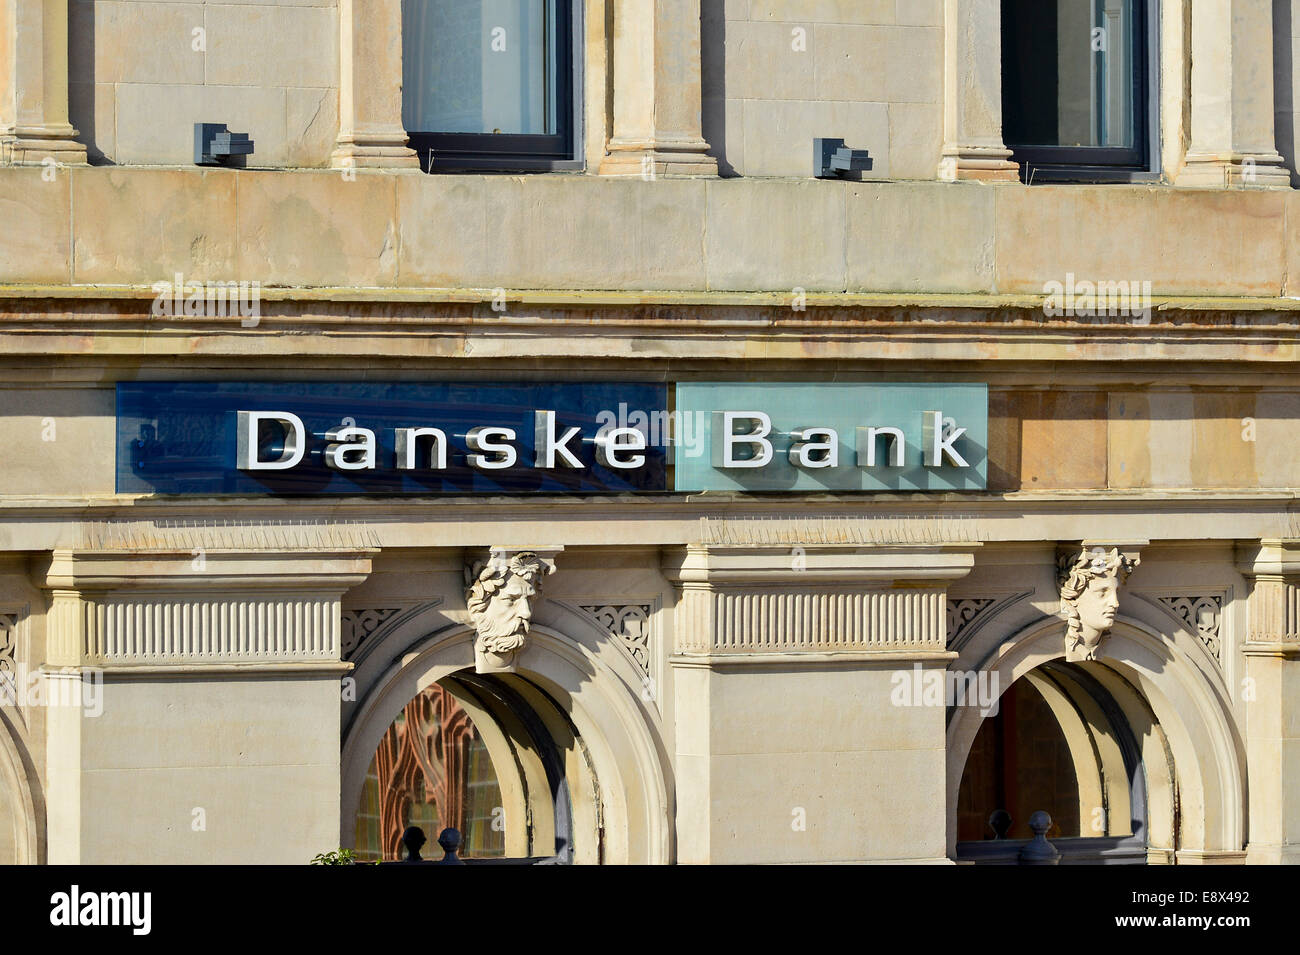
(218, 673)
(1233, 142)
(658, 121)
(34, 85)
(370, 87)
(795, 664)
(972, 111)
(1270, 695)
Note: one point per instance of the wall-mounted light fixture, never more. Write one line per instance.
(832, 159)
(214, 145)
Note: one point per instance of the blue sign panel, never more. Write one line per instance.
(364, 438)
(812, 436)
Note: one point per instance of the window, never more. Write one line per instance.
(489, 84)
(1079, 88)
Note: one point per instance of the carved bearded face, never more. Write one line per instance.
(508, 613)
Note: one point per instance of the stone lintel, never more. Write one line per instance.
(869, 565)
(200, 569)
(791, 660)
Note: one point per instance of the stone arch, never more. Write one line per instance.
(1170, 674)
(593, 683)
(21, 807)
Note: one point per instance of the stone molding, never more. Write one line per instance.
(131, 609)
(824, 599)
(223, 536)
(962, 611)
(836, 529)
(144, 630)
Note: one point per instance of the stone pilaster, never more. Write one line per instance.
(232, 657)
(1271, 695)
(1233, 142)
(789, 662)
(371, 134)
(972, 109)
(658, 125)
(34, 123)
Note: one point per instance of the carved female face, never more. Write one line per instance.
(1098, 604)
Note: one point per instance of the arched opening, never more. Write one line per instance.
(1062, 743)
(1157, 759)
(580, 776)
(491, 756)
(21, 808)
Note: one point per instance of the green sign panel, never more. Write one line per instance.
(809, 437)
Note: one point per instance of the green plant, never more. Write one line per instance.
(335, 857)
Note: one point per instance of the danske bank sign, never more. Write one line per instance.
(520, 438)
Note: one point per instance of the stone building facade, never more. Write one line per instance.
(202, 659)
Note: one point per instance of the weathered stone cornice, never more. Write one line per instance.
(628, 521)
(330, 325)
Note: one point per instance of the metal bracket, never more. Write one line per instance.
(214, 145)
(832, 159)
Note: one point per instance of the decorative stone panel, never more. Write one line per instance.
(962, 611)
(736, 600)
(1201, 615)
(122, 608)
(9, 621)
(231, 629)
(728, 622)
(360, 625)
(629, 623)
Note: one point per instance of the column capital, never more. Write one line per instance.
(1275, 557)
(1273, 567)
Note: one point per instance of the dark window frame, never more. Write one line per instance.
(1102, 164)
(512, 152)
